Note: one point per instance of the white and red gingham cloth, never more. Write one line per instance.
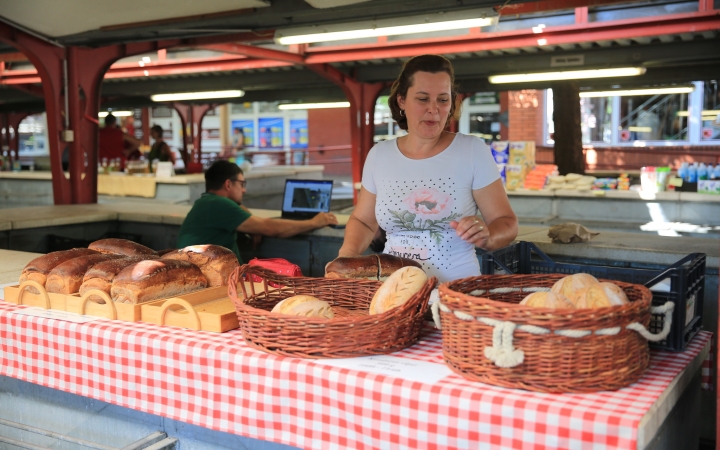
(216, 381)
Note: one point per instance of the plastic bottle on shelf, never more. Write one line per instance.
(692, 173)
(716, 172)
(648, 179)
(702, 172)
(661, 178)
(683, 171)
(710, 172)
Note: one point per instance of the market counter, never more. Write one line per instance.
(265, 184)
(216, 382)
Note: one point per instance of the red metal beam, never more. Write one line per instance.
(569, 34)
(256, 52)
(550, 5)
(158, 68)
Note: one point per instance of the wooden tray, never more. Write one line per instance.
(20, 295)
(207, 310)
(84, 305)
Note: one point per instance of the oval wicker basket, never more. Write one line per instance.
(353, 332)
(559, 350)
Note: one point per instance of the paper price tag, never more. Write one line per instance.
(407, 369)
(675, 181)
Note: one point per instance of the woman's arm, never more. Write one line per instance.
(361, 226)
(499, 226)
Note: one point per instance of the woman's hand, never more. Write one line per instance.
(472, 229)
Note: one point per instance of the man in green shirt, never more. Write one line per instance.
(218, 214)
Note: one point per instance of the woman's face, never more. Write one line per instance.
(427, 104)
(155, 135)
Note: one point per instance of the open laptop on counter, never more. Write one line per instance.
(303, 199)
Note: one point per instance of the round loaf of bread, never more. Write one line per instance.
(547, 300)
(570, 286)
(398, 289)
(615, 292)
(595, 296)
(304, 305)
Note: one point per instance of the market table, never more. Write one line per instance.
(216, 381)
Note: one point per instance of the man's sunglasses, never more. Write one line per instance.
(243, 183)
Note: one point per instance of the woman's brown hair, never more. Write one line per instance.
(422, 63)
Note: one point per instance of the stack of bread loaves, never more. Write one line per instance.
(403, 278)
(571, 181)
(580, 290)
(130, 272)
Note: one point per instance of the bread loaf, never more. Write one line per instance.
(388, 264)
(547, 300)
(398, 289)
(305, 306)
(600, 296)
(353, 267)
(372, 267)
(67, 277)
(100, 276)
(570, 286)
(156, 278)
(121, 246)
(215, 262)
(39, 268)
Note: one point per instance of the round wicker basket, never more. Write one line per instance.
(353, 332)
(489, 337)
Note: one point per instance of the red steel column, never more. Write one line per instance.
(12, 121)
(48, 61)
(191, 117)
(362, 97)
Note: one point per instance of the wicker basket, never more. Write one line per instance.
(489, 337)
(353, 332)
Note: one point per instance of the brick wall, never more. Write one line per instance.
(328, 128)
(524, 107)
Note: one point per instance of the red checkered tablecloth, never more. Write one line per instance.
(216, 381)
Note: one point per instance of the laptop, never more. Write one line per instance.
(303, 199)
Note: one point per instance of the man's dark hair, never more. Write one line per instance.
(158, 129)
(110, 120)
(220, 171)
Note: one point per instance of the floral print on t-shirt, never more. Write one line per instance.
(428, 209)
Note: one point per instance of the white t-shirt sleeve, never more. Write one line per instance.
(368, 176)
(485, 170)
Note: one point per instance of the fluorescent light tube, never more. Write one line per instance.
(640, 129)
(115, 113)
(385, 31)
(626, 92)
(705, 112)
(566, 75)
(314, 105)
(196, 96)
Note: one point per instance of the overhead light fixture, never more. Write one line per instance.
(538, 29)
(567, 75)
(627, 92)
(456, 20)
(196, 96)
(314, 105)
(705, 112)
(115, 113)
(640, 129)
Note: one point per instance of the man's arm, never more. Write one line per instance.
(284, 228)
(133, 144)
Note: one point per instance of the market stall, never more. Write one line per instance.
(409, 399)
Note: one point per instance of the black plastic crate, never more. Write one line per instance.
(57, 243)
(686, 278)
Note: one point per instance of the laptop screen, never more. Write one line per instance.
(303, 199)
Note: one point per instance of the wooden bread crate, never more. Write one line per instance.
(21, 295)
(84, 305)
(207, 310)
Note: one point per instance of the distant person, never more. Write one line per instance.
(160, 150)
(112, 142)
(218, 215)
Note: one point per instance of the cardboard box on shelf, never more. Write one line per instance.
(500, 151)
(708, 187)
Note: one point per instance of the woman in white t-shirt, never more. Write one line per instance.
(425, 189)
